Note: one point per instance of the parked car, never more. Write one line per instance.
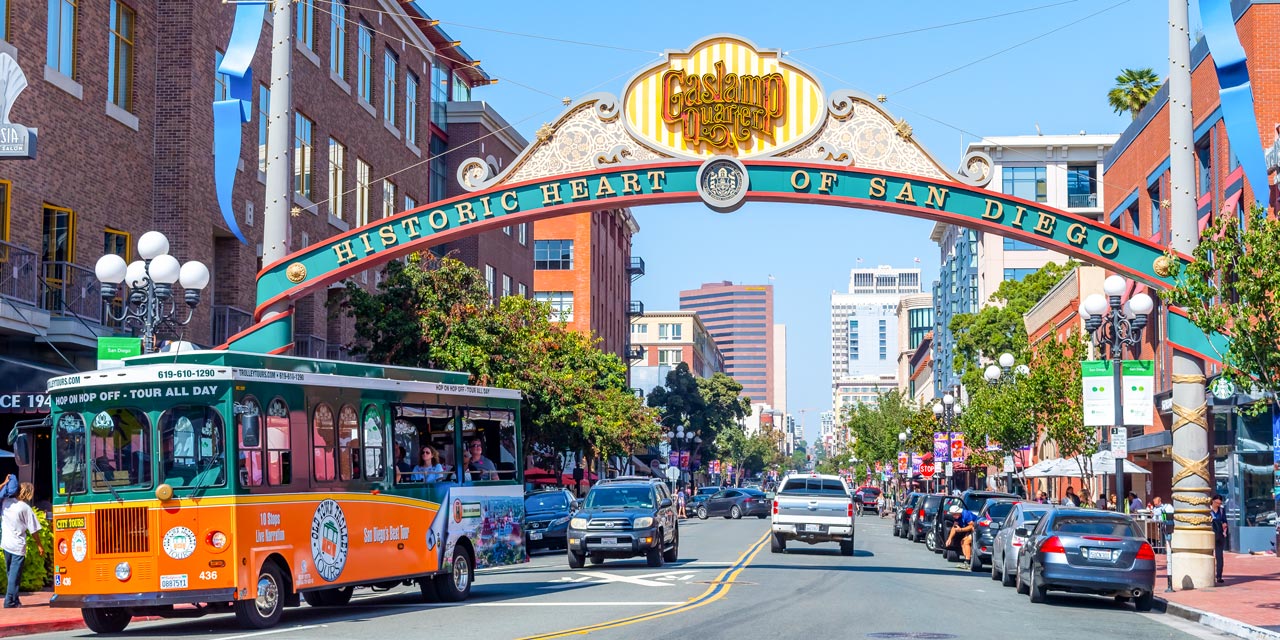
(546, 518)
(623, 519)
(1086, 551)
(990, 521)
(902, 513)
(919, 528)
(1007, 543)
(866, 498)
(974, 500)
(700, 496)
(734, 504)
(811, 509)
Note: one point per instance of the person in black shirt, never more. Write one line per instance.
(1219, 535)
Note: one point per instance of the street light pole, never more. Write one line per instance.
(149, 301)
(1005, 374)
(946, 411)
(1114, 326)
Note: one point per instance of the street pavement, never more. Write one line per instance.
(727, 584)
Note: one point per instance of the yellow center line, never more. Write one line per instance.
(719, 587)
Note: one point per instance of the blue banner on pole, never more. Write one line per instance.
(1235, 91)
(230, 114)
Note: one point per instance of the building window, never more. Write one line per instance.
(1028, 183)
(117, 242)
(1135, 219)
(307, 23)
(1018, 273)
(1204, 166)
(409, 203)
(439, 169)
(1017, 245)
(553, 255)
(120, 56)
(61, 50)
(1082, 187)
(364, 62)
(640, 329)
(670, 357)
(303, 146)
(264, 114)
(58, 246)
(507, 230)
(338, 39)
(411, 109)
(4, 20)
(670, 331)
(362, 193)
(489, 277)
(524, 291)
(1154, 194)
(561, 304)
(389, 64)
(388, 198)
(524, 234)
(506, 285)
(220, 80)
(439, 96)
(337, 182)
(461, 90)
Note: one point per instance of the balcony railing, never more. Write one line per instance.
(72, 290)
(637, 267)
(310, 346)
(635, 352)
(1082, 200)
(19, 274)
(636, 308)
(228, 321)
(341, 352)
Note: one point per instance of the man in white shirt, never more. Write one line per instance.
(17, 522)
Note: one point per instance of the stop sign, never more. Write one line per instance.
(926, 469)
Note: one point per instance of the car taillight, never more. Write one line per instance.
(775, 507)
(908, 512)
(1052, 545)
(985, 522)
(1146, 553)
(850, 509)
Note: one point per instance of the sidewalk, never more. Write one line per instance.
(36, 616)
(1246, 605)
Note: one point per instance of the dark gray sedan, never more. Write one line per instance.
(1086, 551)
(736, 503)
(1007, 543)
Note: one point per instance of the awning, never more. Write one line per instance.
(22, 385)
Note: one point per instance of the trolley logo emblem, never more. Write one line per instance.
(329, 540)
(179, 543)
(457, 510)
(79, 545)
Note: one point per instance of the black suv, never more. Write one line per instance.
(624, 518)
(546, 518)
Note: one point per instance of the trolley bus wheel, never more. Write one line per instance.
(265, 610)
(106, 620)
(455, 586)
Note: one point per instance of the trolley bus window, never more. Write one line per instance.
(191, 447)
(324, 443)
(279, 460)
(375, 455)
(495, 430)
(348, 443)
(71, 463)
(119, 446)
(416, 427)
(248, 415)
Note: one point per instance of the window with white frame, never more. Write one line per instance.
(670, 331)
(506, 285)
(389, 64)
(338, 39)
(411, 108)
(337, 177)
(489, 278)
(524, 235)
(640, 329)
(362, 193)
(561, 304)
(670, 356)
(388, 198)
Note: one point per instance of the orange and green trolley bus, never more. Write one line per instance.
(216, 481)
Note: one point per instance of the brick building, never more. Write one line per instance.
(121, 92)
(584, 269)
(1137, 182)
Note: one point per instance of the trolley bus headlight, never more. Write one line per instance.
(578, 523)
(123, 572)
(217, 540)
(62, 547)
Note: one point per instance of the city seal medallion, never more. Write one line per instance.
(722, 183)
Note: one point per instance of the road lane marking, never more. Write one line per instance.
(603, 577)
(719, 587)
(272, 632)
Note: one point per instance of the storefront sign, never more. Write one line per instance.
(1222, 388)
(111, 350)
(16, 141)
(24, 402)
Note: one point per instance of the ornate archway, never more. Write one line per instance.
(724, 123)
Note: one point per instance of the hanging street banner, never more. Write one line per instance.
(902, 460)
(941, 448)
(957, 447)
(1099, 395)
(916, 461)
(1139, 392)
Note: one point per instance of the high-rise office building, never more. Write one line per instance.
(864, 333)
(740, 319)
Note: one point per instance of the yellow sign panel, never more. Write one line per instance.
(723, 97)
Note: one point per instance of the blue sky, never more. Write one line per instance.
(1058, 82)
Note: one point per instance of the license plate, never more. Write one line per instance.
(177, 581)
(608, 541)
(1099, 554)
(813, 528)
(535, 536)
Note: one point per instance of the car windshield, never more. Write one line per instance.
(624, 497)
(931, 503)
(546, 502)
(974, 501)
(1095, 527)
(871, 491)
(814, 487)
(999, 509)
(706, 491)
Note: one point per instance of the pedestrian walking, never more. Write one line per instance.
(17, 523)
(1219, 516)
(1163, 513)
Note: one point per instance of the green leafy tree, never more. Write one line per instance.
(874, 428)
(1057, 399)
(705, 406)
(1229, 288)
(998, 415)
(1134, 89)
(998, 328)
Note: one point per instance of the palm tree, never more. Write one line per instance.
(1134, 89)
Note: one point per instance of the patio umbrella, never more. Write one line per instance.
(1040, 469)
(1104, 463)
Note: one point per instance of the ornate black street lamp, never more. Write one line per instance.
(149, 301)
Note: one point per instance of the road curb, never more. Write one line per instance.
(27, 628)
(1221, 623)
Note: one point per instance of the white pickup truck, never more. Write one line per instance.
(813, 508)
